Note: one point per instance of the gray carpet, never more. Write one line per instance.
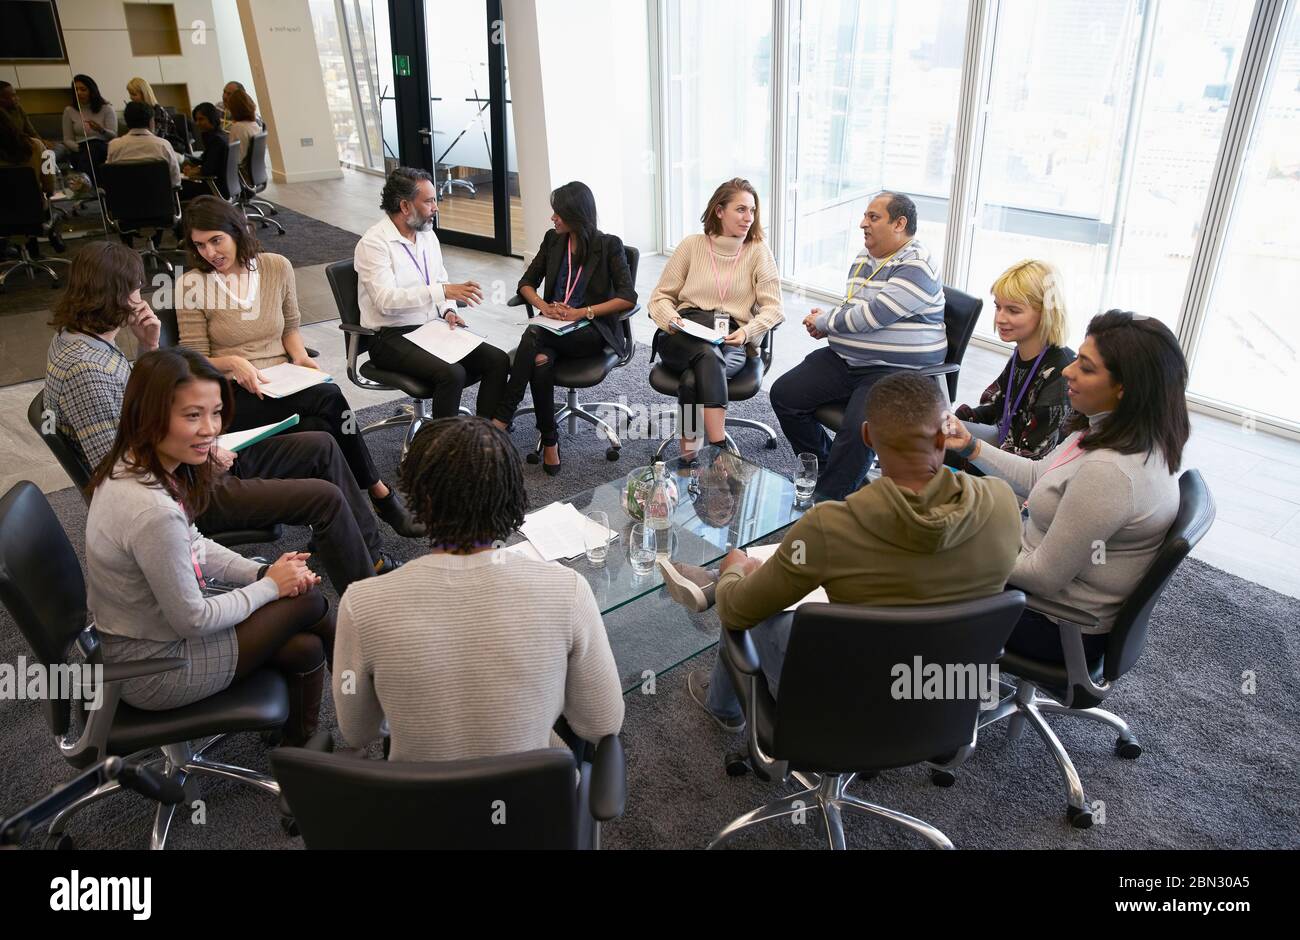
(1219, 768)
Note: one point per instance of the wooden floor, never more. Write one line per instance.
(462, 213)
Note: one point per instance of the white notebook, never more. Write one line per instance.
(288, 379)
(764, 552)
(558, 531)
(708, 334)
(558, 326)
(450, 344)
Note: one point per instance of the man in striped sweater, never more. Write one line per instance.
(891, 319)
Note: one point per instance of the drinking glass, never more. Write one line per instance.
(596, 537)
(805, 479)
(641, 549)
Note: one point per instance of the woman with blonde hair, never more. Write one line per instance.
(140, 90)
(728, 271)
(1026, 411)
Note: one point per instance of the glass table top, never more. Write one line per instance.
(724, 501)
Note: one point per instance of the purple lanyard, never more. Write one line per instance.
(1009, 408)
(410, 254)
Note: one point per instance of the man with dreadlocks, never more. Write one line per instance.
(470, 651)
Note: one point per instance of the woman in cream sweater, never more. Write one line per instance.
(728, 269)
(239, 307)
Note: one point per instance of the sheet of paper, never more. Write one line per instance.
(239, 440)
(764, 552)
(447, 343)
(557, 326)
(558, 531)
(287, 379)
(691, 328)
(525, 549)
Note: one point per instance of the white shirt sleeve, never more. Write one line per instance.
(374, 263)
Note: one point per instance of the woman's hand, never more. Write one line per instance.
(956, 436)
(675, 324)
(567, 313)
(223, 459)
(291, 574)
(307, 362)
(735, 339)
(249, 378)
(551, 311)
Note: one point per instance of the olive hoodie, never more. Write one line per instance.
(886, 546)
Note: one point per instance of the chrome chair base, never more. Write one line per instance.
(1027, 704)
(413, 417)
(25, 262)
(574, 411)
(179, 762)
(254, 213)
(750, 423)
(826, 795)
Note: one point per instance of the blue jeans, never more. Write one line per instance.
(771, 637)
(821, 379)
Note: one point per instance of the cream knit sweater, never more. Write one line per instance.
(753, 298)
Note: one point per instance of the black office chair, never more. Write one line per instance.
(344, 283)
(69, 458)
(1077, 687)
(24, 213)
(42, 587)
(138, 197)
(229, 183)
(252, 176)
(961, 312)
(837, 714)
(527, 801)
(588, 372)
(741, 387)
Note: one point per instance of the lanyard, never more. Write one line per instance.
(858, 270)
(735, 263)
(571, 285)
(1008, 407)
(423, 257)
(194, 556)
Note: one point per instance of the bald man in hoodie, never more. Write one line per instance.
(921, 534)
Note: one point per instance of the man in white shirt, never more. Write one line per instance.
(402, 284)
(140, 143)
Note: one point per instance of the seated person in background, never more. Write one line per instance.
(587, 277)
(1100, 504)
(87, 126)
(12, 113)
(921, 534)
(17, 150)
(1025, 411)
(148, 569)
(141, 145)
(239, 306)
(402, 284)
(244, 126)
(295, 479)
(227, 92)
(216, 148)
(727, 270)
(139, 90)
(891, 319)
(472, 651)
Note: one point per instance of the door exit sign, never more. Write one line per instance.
(402, 65)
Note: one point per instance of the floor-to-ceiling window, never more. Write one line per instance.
(352, 38)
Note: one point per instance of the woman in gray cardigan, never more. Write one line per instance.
(159, 589)
(1099, 505)
(91, 119)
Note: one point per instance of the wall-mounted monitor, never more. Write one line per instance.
(30, 31)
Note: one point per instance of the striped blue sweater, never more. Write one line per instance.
(895, 318)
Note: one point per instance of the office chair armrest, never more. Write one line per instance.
(740, 647)
(1071, 615)
(943, 368)
(357, 329)
(461, 305)
(311, 353)
(629, 314)
(608, 796)
(516, 301)
(120, 672)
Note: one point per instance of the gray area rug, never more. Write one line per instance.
(1218, 770)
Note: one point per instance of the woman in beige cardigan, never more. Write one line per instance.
(728, 269)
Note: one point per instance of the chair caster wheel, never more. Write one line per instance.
(736, 764)
(943, 778)
(533, 459)
(290, 827)
(770, 444)
(1079, 818)
(611, 454)
(273, 739)
(1129, 750)
(60, 843)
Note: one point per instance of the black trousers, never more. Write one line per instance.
(486, 365)
(1040, 638)
(320, 408)
(705, 368)
(301, 479)
(525, 372)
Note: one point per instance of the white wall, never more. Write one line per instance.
(234, 55)
(579, 80)
(290, 95)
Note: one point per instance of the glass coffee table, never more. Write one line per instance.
(725, 501)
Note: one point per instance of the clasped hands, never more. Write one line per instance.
(291, 574)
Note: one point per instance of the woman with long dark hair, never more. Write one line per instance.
(1099, 505)
(159, 589)
(238, 305)
(726, 272)
(587, 282)
(88, 125)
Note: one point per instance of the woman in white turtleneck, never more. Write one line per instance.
(728, 269)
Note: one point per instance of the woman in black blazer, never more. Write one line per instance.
(587, 278)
